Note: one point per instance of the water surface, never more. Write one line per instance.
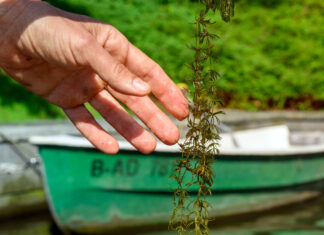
(305, 218)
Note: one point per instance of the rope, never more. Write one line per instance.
(21, 153)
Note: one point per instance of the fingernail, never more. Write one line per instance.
(141, 85)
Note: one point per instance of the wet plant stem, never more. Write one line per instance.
(193, 172)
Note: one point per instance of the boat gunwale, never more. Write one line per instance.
(221, 157)
(81, 142)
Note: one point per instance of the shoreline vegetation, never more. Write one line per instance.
(270, 56)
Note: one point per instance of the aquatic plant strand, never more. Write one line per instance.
(193, 171)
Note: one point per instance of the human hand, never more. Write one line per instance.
(70, 59)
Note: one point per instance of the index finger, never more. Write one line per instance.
(162, 86)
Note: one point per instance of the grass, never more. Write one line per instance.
(271, 54)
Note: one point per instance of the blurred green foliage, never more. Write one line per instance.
(18, 104)
(270, 55)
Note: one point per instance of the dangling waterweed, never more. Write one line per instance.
(193, 172)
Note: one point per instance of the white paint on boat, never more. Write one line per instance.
(8, 168)
(273, 140)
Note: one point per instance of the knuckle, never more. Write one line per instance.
(154, 70)
(115, 37)
(84, 41)
(113, 32)
(80, 48)
(119, 69)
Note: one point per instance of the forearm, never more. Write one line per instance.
(10, 9)
(15, 16)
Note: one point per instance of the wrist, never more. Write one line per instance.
(11, 9)
(10, 12)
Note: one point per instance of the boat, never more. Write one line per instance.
(21, 191)
(90, 192)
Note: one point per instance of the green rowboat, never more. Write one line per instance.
(90, 192)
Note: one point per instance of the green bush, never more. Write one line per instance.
(270, 54)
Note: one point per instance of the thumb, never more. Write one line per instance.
(112, 71)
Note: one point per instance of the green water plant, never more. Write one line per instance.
(193, 172)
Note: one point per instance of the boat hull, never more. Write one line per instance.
(90, 192)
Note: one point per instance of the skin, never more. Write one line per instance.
(71, 59)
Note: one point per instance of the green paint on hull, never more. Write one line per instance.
(89, 190)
